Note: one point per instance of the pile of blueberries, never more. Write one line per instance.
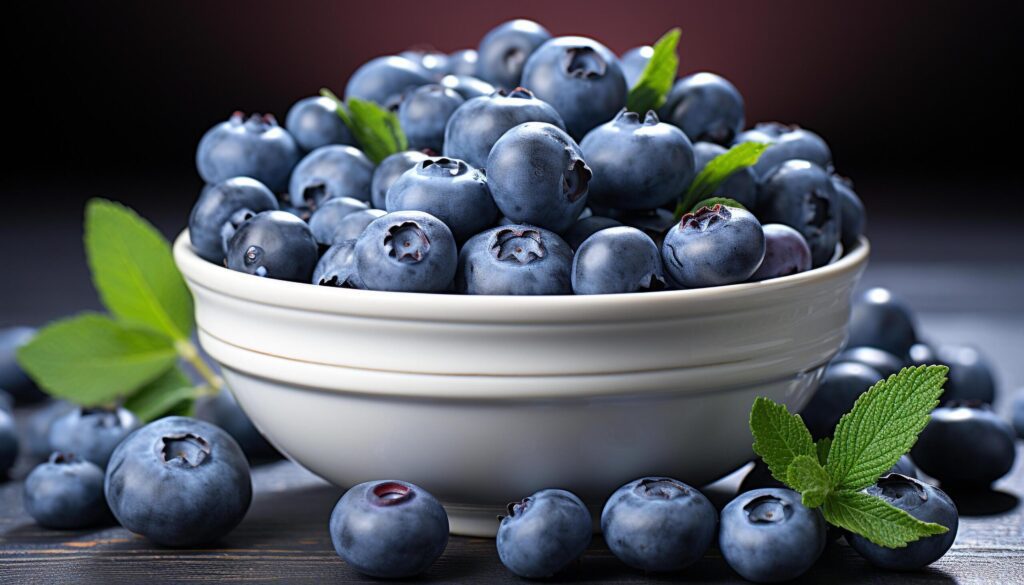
(526, 174)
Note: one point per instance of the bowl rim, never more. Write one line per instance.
(495, 308)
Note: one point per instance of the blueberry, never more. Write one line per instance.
(434, 64)
(424, 113)
(450, 190)
(515, 260)
(543, 533)
(12, 378)
(970, 375)
(880, 320)
(314, 122)
(384, 79)
(6, 401)
(658, 524)
(8, 442)
(474, 128)
(389, 529)
(922, 501)
(504, 50)
(905, 466)
(1018, 413)
(965, 444)
(768, 536)
(617, 260)
(800, 194)
(634, 61)
(91, 433)
(256, 148)
(741, 186)
(66, 492)
(37, 428)
(326, 219)
(388, 171)
(787, 143)
(880, 360)
(638, 164)
(785, 252)
(223, 411)
(407, 251)
(580, 78)
(706, 107)
(337, 267)
(274, 244)
(462, 63)
(179, 481)
(537, 176)
(842, 384)
(586, 227)
(223, 207)
(331, 171)
(852, 213)
(714, 246)
(467, 86)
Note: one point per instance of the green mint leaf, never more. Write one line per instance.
(808, 477)
(171, 393)
(883, 425)
(717, 170)
(779, 437)
(876, 519)
(658, 76)
(713, 201)
(823, 446)
(92, 359)
(134, 272)
(376, 129)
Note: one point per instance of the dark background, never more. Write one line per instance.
(917, 100)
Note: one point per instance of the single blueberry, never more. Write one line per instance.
(617, 260)
(8, 442)
(785, 252)
(637, 164)
(922, 501)
(66, 492)
(537, 176)
(314, 122)
(325, 220)
(274, 244)
(965, 444)
(741, 186)
(384, 79)
(12, 378)
(223, 411)
(389, 529)
(787, 143)
(842, 384)
(634, 61)
(256, 148)
(450, 190)
(407, 251)
(92, 433)
(331, 171)
(853, 215)
(424, 114)
(707, 107)
(462, 62)
(504, 50)
(179, 481)
(768, 536)
(36, 435)
(543, 533)
(880, 320)
(714, 246)
(467, 86)
(586, 227)
(799, 194)
(658, 524)
(220, 209)
(880, 360)
(337, 267)
(388, 171)
(970, 375)
(580, 78)
(515, 260)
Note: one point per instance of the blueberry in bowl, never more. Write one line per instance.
(254, 147)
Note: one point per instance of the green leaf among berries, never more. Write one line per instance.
(658, 75)
(876, 519)
(808, 477)
(376, 129)
(779, 437)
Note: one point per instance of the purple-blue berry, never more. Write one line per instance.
(450, 190)
(785, 252)
(328, 217)
(965, 444)
(713, 246)
(543, 533)
(503, 52)
(384, 79)
(424, 114)
(66, 492)
(314, 122)
(800, 194)
(331, 171)
(92, 433)
(388, 171)
(707, 107)
(515, 260)
(223, 207)
(255, 147)
(407, 251)
(274, 244)
(337, 267)
(617, 260)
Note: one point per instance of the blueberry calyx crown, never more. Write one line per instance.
(314, 193)
(629, 118)
(253, 255)
(60, 458)
(390, 493)
(584, 63)
(522, 245)
(519, 92)
(818, 209)
(187, 449)
(102, 417)
(651, 282)
(407, 242)
(443, 167)
(661, 488)
(517, 508)
(258, 123)
(767, 509)
(705, 217)
(576, 178)
(896, 487)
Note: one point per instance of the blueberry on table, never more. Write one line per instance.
(504, 50)
(473, 129)
(450, 190)
(467, 86)
(713, 246)
(785, 252)
(389, 529)
(91, 433)
(580, 78)
(878, 319)
(788, 142)
(800, 194)
(314, 122)
(586, 227)
(407, 251)
(327, 219)
(335, 170)
(882, 361)
(839, 389)
(66, 492)
(658, 524)
(12, 378)
(922, 501)
(537, 176)
(220, 209)
(274, 244)
(179, 482)
(741, 186)
(8, 443)
(384, 79)
(515, 260)
(255, 147)
(353, 224)
(223, 411)
(705, 106)
(388, 171)
(633, 63)
(965, 444)
(337, 267)
(543, 533)
(768, 536)
(462, 62)
(424, 113)
(638, 164)
(970, 375)
(853, 214)
(617, 260)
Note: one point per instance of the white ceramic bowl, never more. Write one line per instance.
(483, 400)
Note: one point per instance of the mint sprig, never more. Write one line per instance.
(868, 441)
(376, 129)
(718, 169)
(659, 74)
